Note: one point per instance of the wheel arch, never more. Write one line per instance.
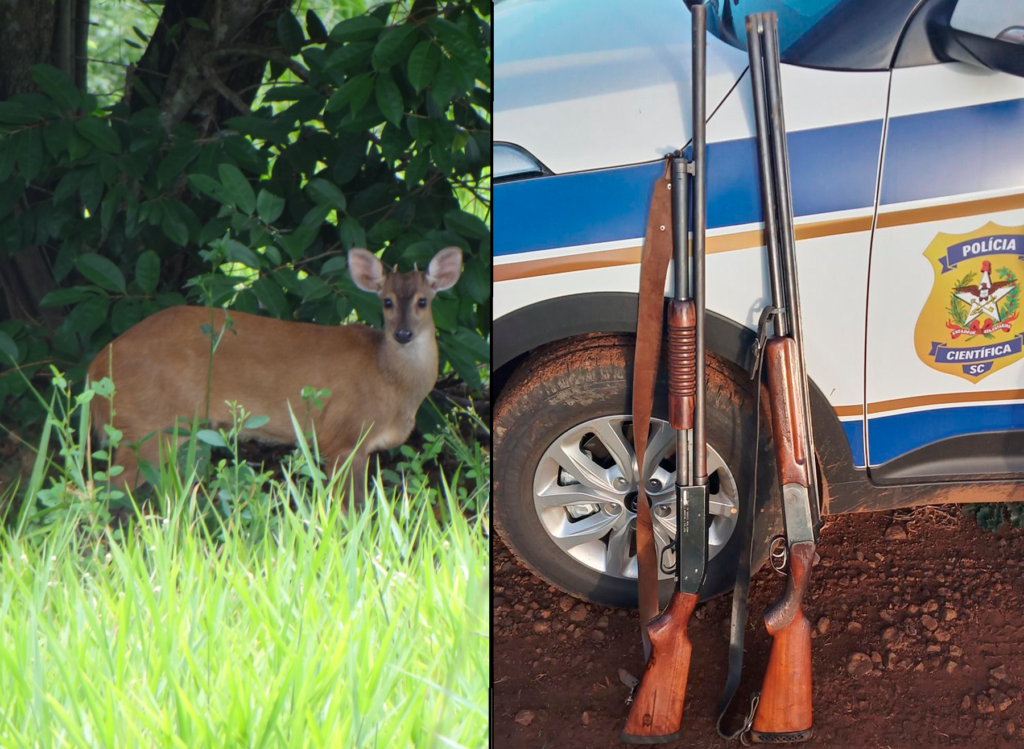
(524, 330)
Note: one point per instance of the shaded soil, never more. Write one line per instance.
(919, 642)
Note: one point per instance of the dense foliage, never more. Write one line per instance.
(375, 133)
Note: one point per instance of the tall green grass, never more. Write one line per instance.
(329, 631)
(282, 622)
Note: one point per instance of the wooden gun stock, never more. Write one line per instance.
(656, 715)
(784, 713)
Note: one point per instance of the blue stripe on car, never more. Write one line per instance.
(855, 436)
(954, 152)
(833, 169)
(892, 436)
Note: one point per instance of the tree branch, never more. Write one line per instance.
(253, 50)
(223, 90)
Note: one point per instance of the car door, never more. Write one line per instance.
(944, 384)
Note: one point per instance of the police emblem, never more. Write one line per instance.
(969, 326)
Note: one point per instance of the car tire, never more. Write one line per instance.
(572, 382)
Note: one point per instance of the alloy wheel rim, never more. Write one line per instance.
(585, 488)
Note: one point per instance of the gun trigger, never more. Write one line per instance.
(767, 314)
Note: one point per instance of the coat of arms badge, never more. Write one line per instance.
(970, 325)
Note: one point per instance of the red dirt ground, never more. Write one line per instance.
(918, 643)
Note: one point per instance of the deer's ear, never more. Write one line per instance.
(366, 270)
(444, 270)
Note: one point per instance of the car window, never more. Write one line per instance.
(833, 34)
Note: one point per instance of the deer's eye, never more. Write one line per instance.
(422, 302)
(388, 304)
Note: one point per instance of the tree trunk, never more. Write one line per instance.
(185, 79)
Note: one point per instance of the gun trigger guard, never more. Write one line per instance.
(778, 555)
(767, 314)
(668, 570)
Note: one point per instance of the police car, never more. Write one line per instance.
(905, 127)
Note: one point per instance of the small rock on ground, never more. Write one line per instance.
(525, 717)
(859, 664)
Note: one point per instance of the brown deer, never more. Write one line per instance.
(378, 378)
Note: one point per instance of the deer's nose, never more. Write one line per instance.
(403, 335)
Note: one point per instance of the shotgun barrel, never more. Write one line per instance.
(784, 713)
(656, 712)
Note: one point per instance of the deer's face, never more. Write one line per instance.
(406, 296)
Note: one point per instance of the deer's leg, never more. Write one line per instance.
(358, 474)
(354, 483)
(132, 478)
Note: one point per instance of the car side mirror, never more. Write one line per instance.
(983, 32)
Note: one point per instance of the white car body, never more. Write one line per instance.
(886, 165)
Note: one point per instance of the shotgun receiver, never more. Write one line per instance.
(656, 711)
(784, 713)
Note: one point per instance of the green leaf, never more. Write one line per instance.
(238, 187)
(466, 224)
(11, 190)
(8, 347)
(16, 113)
(127, 312)
(315, 217)
(444, 86)
(147, 271)
(351, 233)
(356, 90)
(180, 155)
(78, 147)
(198, 23)
(393, 46)
(211, 437)
(60, 297)
(255, 422)
(91, 189)
(56, 136)
(389, 98)
(271, 296)
(101, 272)
(417, 168)
(446, 313)
(87, 316)
(269, 207)
(8, 157)
(423, 63)
(289, 32)
(460, 354)
(30, 154)
(356, 29)
(333, 265)
(290, 92)
(349, 55)
(260, 128)
(239, 253)
(57, 85)
(476, 281)
(100, 134)
(315, 27)
(326, 193)
(174, 228)
(211, 187)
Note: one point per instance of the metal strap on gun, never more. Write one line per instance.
(774, 719)
(657, 703)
